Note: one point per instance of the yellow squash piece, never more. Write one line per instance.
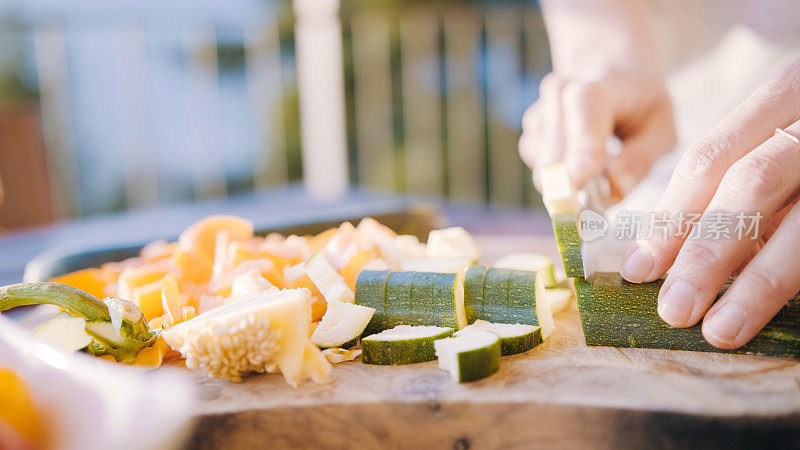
(17, 408)
(201, 237)
(92, 281)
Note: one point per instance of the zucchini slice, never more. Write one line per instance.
(470, 357)
(530, 261)
(565, 228)
(400, 308)
(435, 295)
(516, 296)
(403, 344)
(371, 292)
(342, 325)
(514, 337)
(473, 292)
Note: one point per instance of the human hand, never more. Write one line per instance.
(742, 165)
(573, 119)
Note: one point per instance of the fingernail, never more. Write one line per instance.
(638, 265)
(726, 324)
(675, 307)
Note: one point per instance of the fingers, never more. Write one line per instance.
(760, 291)
(542, 140)
(761, 181)
(589, 121)
(701, 169)
(640, 152)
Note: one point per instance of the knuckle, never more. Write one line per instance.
(530, 118)
(755, 177)
(705, 159)
(764, 282)
(700, 254)
(583, 92)
(550, 84)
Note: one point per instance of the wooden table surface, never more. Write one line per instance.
(560, 394)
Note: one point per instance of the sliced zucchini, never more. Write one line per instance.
(65, 332)
(342, 325)
(400, 308)
(495, 297)
(473, 292)
(403, 344)
(519, 290)
(617, 313)
(454, 242)
(469, 357)
(435, 294)
(514, 337)
(331, 285)
(565, 228)
(371, 292)
(530, 261)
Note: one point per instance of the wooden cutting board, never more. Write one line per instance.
(561, 394)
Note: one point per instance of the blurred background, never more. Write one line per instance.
(110, 106)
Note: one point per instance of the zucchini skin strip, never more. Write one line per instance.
(617, 313)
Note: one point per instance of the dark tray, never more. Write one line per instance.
(417, 219)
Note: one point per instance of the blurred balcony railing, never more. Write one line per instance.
(147, 102)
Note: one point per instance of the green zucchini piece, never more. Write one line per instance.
(617, 313)
(400, 308)
(473, 292)
(565, 228)
(510, 296)
(342, 325)
(371, 292)
(470, 357)
(403, 344)
(514, 337)
(436, 296)
(495, 297)
(530, 261)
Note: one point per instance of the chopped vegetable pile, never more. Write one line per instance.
(231, 303)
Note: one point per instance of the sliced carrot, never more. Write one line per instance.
(89, 280)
